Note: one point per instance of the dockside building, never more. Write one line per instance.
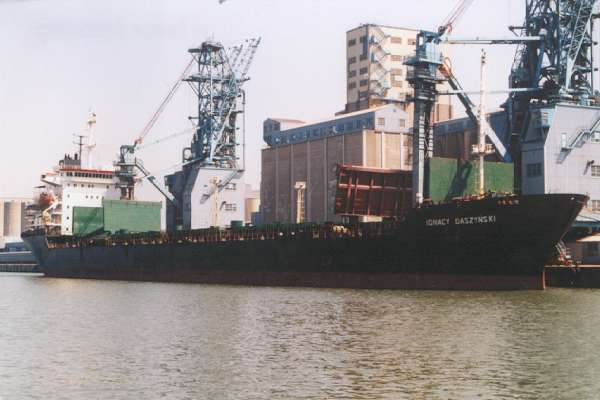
(299, 164)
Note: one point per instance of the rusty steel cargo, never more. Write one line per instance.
(493, 243)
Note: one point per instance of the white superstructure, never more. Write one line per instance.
(69, 185)
(74, 183)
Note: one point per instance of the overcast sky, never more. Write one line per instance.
(59, 58)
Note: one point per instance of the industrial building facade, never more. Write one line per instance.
(376, 73)
(299, 166)
(561, 154)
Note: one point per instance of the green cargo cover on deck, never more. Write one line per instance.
(87, 220)
(117, 215)
(131, 216)
(448, 177)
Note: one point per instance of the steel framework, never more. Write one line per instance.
(559, 66)
(218, 85)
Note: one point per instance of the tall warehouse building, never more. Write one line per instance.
(376, 73)
(299, 174)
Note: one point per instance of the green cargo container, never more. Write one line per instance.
(87, 220)
(447, 178)
(131, 216)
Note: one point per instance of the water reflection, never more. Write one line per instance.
(76, 338)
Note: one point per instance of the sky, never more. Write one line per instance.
(62, 58)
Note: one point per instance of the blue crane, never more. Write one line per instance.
(553, 63)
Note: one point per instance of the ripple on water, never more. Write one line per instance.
(76, 338)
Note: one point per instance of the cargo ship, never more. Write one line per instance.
(492, 243)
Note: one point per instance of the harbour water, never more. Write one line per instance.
(74, 339)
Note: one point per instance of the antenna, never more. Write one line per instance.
(79, 143)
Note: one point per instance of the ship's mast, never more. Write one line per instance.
(91, 142)
(482, 149)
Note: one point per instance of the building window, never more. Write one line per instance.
(363, 57)
(594, 205)
(397, 83)
(591, 249)
(351, 60)
(352, 85)
(596, 137)
(363, 70)
(534, 170)
(412, 42)
(231, 186)
(380, 121)
(396, 40)
(402, 123)
(352, 74)
(397, 58)
(230, 207)
(595, 170)
(362, 39)
(351, 42)
(364, 82)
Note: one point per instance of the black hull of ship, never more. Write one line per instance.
(487, 244)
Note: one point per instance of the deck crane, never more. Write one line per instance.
(127, 163)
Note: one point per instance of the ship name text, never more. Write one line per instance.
(481, 219)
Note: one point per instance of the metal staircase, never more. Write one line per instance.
(379, 81)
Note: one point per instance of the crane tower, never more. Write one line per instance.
(213, 164)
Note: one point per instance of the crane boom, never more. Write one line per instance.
(457, 12)
(163, 105)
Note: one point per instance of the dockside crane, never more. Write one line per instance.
(213, 155)
(424, 75)
(553, 64)
(128, 163)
